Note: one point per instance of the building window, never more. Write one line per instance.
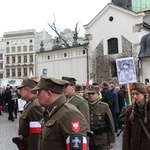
(19, 72)
(7, 50)
(25, 59)
(113, 69)
(113, 46)
(1, 65)
(13, 49)
(83, 52)
(13, 72)
(30, 47)
(19, 49)
(25, 71)
(7, 72)
(30, 41)
(7, 43)
(1, 76)
(65, 54)
(1, 56)
(24, 48)
(19, 59)
(13, 59)
(8, 60)
(31, 58)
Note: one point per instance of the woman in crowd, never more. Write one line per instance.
(136, 131)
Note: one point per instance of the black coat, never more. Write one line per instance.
(121, 102)
(8, 98)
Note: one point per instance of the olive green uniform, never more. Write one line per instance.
(32, 112)
(81, 104)
(101, 123)
(57, 125)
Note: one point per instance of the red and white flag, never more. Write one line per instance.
(35, 127)
(89, 83)
(31, 75)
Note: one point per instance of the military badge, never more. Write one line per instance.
(75, 126)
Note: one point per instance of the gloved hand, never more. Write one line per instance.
(17, 140)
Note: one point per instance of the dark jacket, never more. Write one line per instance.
(115, 106)
(57, 125)
(32, 112)
(121, 102)
(134, 137)
(8, 98)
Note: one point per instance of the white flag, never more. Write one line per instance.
(31, 75)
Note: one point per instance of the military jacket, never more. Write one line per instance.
(81, 104)
(100, 115)
(32, 112)
(57, 125)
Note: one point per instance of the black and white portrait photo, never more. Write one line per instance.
(44, 72)
(126, 70)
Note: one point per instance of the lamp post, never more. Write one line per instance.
(87, 59)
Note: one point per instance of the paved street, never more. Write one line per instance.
(9, 129)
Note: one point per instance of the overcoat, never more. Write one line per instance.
(134, 137)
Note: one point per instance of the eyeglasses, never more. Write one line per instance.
(91, 93)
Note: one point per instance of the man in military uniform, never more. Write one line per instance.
(74, 99)
(79, 90)
(101, 122)
(29, 127)
(63, 125)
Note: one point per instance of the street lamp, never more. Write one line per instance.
(87, 57)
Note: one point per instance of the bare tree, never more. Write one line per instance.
(53, 27)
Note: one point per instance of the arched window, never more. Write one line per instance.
(113, 46)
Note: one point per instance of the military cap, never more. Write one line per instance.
(27, 82)
(52, 84)
(92, 89)
(72, 81)
(78, 88)
(140, 87)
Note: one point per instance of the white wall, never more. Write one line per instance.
(74, 65)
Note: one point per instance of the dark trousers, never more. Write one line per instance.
(98, 147)
(10, 112)
(115, 121)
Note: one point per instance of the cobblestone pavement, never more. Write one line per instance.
(9, 129)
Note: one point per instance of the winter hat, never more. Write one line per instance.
(140, 87)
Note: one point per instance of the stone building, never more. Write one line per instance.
(115, 32)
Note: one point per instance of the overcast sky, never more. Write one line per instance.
(36, 14)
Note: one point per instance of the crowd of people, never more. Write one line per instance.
(64, 115)
(9, 101)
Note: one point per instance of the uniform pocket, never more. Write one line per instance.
(100, 117)
(47, 128)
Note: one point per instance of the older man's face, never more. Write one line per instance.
(44, 97)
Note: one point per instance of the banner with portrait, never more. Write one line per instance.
(126, 70)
